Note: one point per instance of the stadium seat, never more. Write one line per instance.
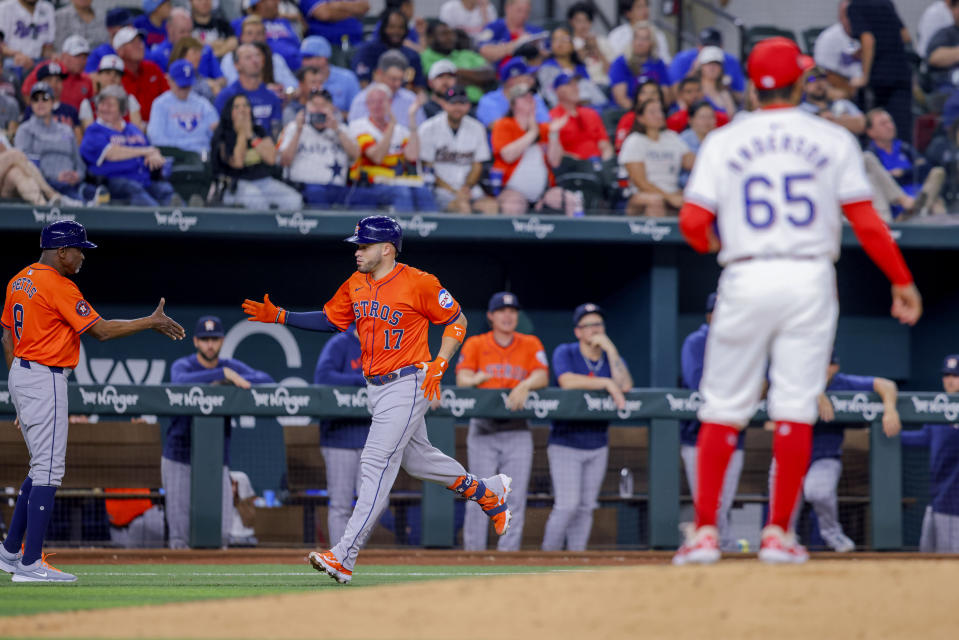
(190, 175)
(586, 183)
(761, 32)
(809, 38)
(925, 128)
(611, 118)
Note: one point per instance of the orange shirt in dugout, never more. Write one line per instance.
(392, 315)
(46, 314)
(507, 366)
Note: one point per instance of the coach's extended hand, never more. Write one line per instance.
(264, 311)
(166, 325)
(434, 373)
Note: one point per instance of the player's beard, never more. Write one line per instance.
(369, 266)
(212, 360)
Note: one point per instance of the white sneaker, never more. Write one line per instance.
(701, 546)
(780, 547)
(41, 571)
(8, 561)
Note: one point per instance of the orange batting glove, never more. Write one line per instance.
(434, 373)
(264, 311)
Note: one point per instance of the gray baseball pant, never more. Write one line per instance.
(509, 452)
(397, 437)
(40, 398)
(176, 487)
(820, 490)
(940, 532)
(690, 456)
(342, 483)
(144, 532)
(577, 479)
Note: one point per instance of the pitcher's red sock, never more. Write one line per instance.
(792, 446)
(715, 445)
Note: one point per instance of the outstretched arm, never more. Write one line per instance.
(158, 321)
(268, 312)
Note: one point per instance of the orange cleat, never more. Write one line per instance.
(490, 493)
(327, 563)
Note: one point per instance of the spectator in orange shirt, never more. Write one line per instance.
(520, 160)
(583, 136)
(501, 358)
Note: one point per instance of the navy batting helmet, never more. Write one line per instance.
(65, 233)
(373, 229)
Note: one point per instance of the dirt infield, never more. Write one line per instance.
(891, 598)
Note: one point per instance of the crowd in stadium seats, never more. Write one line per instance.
(569, 120)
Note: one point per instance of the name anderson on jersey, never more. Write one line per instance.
(373, 309)
(755, 148)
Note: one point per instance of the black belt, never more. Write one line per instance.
(26, 365)
(390, 377)
(774, 256)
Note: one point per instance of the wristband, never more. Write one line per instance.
(455, 331)
(280, 316)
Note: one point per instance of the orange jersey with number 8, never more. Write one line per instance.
(392, 315)
(46, 314)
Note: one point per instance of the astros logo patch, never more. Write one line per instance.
(445, 299)
(83, 309)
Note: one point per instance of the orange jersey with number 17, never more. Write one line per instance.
(392, 315)
(46, 314)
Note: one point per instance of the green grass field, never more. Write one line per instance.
(103, 586)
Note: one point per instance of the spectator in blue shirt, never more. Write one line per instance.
(336, 20)
(267, 107)
(315, 52)
(821, 485)
(684, 62)
(643, 60)
(280, 34)
(940, 526)
(204, 367)
(909, 168)
(494, 105)
(116, 19)
(119, 153)
(178, 27)
(390, 36)
(499, 41)
(184, 119)
(152, 22)
(578, 450)
(341, 439)
(692, 356)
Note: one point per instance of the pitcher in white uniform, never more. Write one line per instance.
(774, 184)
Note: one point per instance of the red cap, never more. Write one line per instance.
(777, 62)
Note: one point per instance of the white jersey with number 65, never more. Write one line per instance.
(776, 180)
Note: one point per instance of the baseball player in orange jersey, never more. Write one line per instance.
(774, 184)
(44, 315)
(502, 358)
(392, 305)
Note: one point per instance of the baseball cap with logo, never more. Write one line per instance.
(111, 62)
(440, 67)
(315, 47)
(183, 73)
(41, 88)
(513, 68)
(50, 69)
(777, 62)
(950, 366)
(76, 45)
(501, 300)
(564, 79)
(209, 327)
(124, 36)
(585, 309)
(456, 94)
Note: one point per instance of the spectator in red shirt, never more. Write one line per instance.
(691, 92)
(583, 136)
(76, 86)
(141, 78)
(648, 90)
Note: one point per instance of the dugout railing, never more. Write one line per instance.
(659, 410)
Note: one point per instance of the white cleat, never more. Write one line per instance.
(780, 547)
(701, 546)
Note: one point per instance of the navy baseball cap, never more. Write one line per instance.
(711, 302)
(950, 366)
(183, 73)
(65, 233)
(42, 88)
(118, 17)
(564, 78)
(710, 36)
(49, 69)
(585, 309)
(315, 47)
(456, 94)
(209, 327)
(515, 67)
(502, 300)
